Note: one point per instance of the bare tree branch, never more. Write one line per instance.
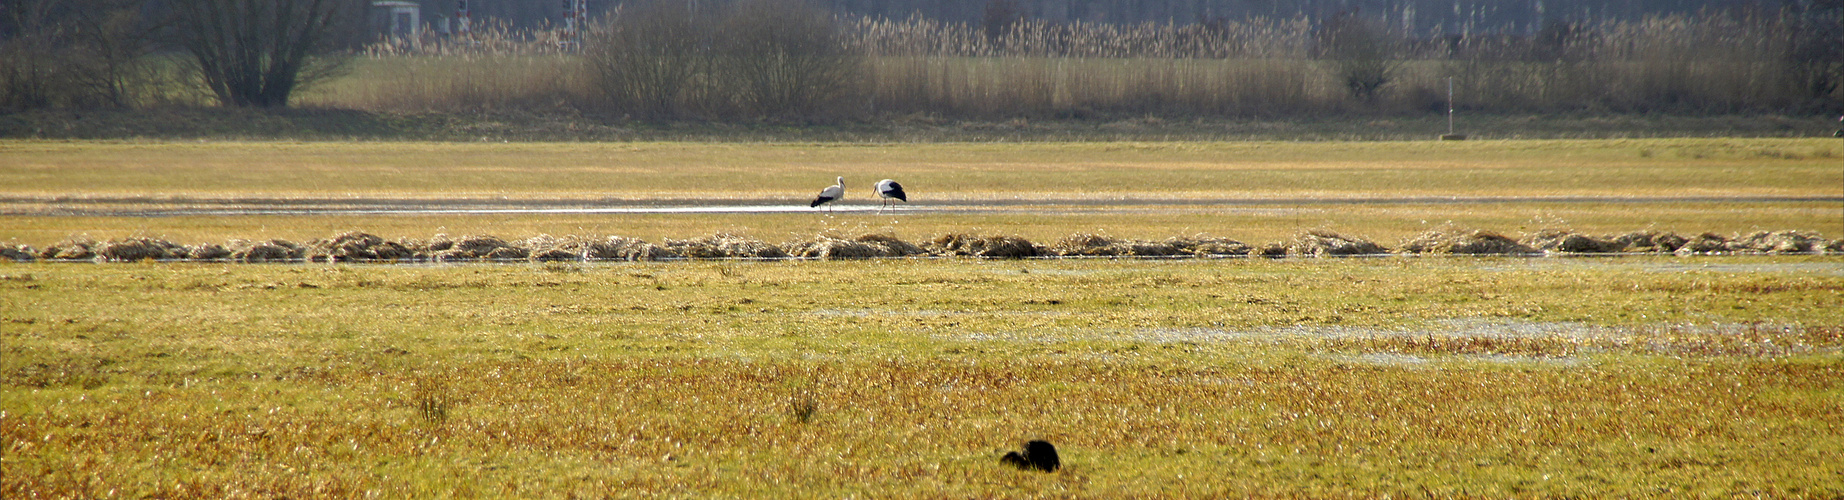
(259, 52)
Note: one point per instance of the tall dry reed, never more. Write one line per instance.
(1708, 62)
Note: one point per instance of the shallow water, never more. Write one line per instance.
(170, 207)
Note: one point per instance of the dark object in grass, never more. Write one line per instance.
(1038, 454)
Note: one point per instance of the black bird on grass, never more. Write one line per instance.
(1038, 454)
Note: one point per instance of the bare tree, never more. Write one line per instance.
(79, 53)
(1362, 52)
(258, 52)
(647, 56)
(1000, 18)
(786, 58)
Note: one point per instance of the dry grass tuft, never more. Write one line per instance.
(967, 245)
(1095, 245)
(1650, 241)
(725, 246)
(1324, 243)
(829, 247)
(432, 400)
(355, 245)
(1566, 241)
(18, 252)
(265, 251)
(1209, 247)
(1779, 242)
(474, 247)
(137, 249)
(630, 249)
(1469, 242)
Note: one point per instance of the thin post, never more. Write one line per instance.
(1450, 105)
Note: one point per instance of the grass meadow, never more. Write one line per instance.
(1324, 378)
(1655, 376)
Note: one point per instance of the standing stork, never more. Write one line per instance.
(830, 194)
(889, 189)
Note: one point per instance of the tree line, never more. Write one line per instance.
(803, 59)
(86, 53)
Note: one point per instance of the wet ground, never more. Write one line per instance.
(183, 206)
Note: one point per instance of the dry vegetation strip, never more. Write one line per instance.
(1637, 376)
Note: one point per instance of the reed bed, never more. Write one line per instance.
(1258, 67)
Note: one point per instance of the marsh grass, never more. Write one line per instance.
(1714, 61)
(186, 380)
(456, 83)
(432, 399)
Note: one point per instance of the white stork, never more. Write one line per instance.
(889, 189)
(830, 194)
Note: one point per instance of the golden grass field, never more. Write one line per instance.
(1650, 376)
(1500, 377)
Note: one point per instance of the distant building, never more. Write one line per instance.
(397, 19)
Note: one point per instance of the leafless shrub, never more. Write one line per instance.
(77, 53)
(258, 52)
(1363, 53)
(649, 57)
(785, 59)
(775, 59)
